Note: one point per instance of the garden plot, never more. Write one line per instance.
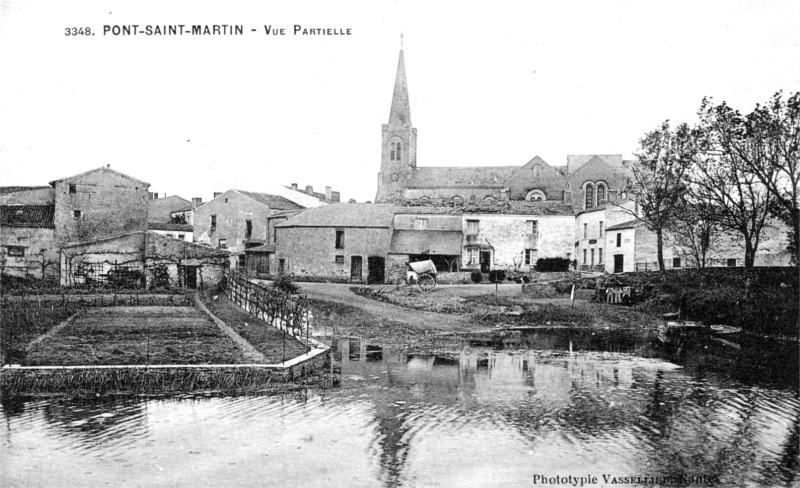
(136, 336)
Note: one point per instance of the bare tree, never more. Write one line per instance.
(659, 178)
(725, 179)
(696, 229)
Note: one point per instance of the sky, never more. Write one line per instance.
(490, 83)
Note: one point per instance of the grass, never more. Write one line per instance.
(341, 319)
(136, 336)
(22, 322)
(267, 339)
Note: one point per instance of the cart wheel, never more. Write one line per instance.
(427, 283)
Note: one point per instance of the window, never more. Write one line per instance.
(589, 196)
(223, 243)
(531, 256)
(537, 172)
(248, 229)
(676, 262)
(339, 259)
(732, 262)
(619, 239)
(339, 239)
(77, 215)
(73, 189)
(601, 193)
(600, 256)
(420, 224)
(585, 230)
(399, 151)
(472, 256)
(213, 223)
(16, 251)
(183, 236)
(592, 253)
(488, 199)
(533, 226)
(396, 150)
(536, 196)
(473, 226)
(584, 256)
(601, 228)
(242, 261)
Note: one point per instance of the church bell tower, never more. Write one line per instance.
(399, 141)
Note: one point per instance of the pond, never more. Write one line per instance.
(504, 409)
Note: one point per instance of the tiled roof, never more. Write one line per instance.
(285, 213)
(5, 190)
(274, 202)
(169, 226)
(27, 215)
(101, 168)
(630, 224)
(344, 215)
(159, 210)
(439, 242)
(461, 177)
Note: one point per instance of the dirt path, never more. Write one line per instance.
(340, 293)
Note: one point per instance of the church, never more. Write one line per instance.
(584, 182)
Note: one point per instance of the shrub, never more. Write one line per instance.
(285, 284)
(545, 265)
(497, 275)
(476, 276)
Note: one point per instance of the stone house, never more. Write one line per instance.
(260, 260)
(514, 235)
(98, 203)
(142, 259)
(236, 220)
(345, 242)
(591, 226)
(28, 241)
(620, 242)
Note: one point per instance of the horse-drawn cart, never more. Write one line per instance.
(424, 272)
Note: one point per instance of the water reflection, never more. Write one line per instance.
(480, 410)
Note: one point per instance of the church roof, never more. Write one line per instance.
(461, 176)
(575, 161)
(400, 113)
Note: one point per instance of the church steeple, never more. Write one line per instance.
(400, 114)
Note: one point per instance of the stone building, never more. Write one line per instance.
(591, 225)
(28, 241)
(98, 203)
(345, 242)
(236, 220)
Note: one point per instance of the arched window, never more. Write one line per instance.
(391, 155)
(601, 193)
(458, 200)
(399, 151)
(537, 172)
(536, 196)
(488, 199)
(589, 195)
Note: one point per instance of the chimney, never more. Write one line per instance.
(328, 193)
(294, 186)
(217, 193)
(309, 189)
(352, 200)
(335, 197)
(108, 166)
(196, 201)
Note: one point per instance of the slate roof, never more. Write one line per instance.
(344, 215)
(630, 224)
(6, 190)
(439, 242)
(27, 215)
(461, 176)
(272, 201)
(510, 207)
(170, 226)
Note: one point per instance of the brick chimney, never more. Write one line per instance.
(294, 186)
(196, 201)
(309, 189)
(218, 193)
(328, 193)
(335, 196)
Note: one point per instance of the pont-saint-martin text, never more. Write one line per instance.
(222, 30)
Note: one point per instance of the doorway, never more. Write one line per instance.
(190, 276)
(618, 262)
(486, 261)
(376, 266)
(355, 269)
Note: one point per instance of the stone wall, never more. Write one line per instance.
(311, 251)
(40, 249)
(110, 204)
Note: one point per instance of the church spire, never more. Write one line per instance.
(400, 114)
